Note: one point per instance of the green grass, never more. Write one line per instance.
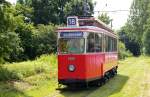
(133, 80)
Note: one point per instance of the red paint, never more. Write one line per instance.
(87, 65)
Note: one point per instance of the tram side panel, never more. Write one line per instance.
(110, 61)
(94, 66)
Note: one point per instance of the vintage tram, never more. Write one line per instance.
(87, 51)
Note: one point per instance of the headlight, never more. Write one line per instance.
(71, 68)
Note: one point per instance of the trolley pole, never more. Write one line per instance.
(86, 8)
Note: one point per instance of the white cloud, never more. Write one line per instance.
(119, 18)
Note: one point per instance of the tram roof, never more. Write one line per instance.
(89, 24)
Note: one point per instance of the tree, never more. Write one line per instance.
(75, 7)
(45, 39)
(45, 11)
(9, 40)
(146, 38)
(130, 44)
(137, 19)
(55, 11)
(104, 18)
(135, 26)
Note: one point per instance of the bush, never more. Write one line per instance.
(123, 53)
(18, 71)
(5, 74)
(35, 41)
(45, 39)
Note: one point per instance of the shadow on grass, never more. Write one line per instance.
(7, 89)
(113, 86)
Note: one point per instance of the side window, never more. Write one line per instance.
(106, 43)
(90, 42)
(115, 44)
(109, 44)
(98, 42)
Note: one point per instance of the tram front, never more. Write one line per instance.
(71, 53)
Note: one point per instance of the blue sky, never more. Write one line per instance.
(119, 18)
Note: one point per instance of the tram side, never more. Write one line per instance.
(102, 61)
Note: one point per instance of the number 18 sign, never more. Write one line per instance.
(72, 21)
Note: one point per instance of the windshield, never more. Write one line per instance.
(71, 45)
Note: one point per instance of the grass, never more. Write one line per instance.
(133, 80)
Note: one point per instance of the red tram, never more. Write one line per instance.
(87, 51)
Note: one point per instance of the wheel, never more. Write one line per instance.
(99, 83)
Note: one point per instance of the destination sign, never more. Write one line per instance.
(71, 34)
(72, 21)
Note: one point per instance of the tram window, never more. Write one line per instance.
(109, 44)
(106, 43)
(98, 42)
(90, 42)
(71, 45)
(115, 44)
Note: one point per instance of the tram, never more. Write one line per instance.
(87, 51)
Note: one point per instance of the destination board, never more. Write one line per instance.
(71, 34)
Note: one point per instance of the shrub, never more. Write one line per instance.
(45, 39)
(5, 74)
(123, 53)
(18, 71)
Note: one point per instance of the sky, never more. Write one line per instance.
(119, 18)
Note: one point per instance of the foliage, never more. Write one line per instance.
(25, 32)
(55, 11)
(130, 44)
(75, 7)
(104, 18)
(45, 11)
(25, 11)
(45, 39)
(146, 39)
(35, 41)
(18, 71)
(135, 27)
(9, 40)
(123, 53)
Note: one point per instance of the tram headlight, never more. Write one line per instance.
(71, 68)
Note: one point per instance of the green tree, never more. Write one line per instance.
(137, 19)
(45, 39)
(146, 39)
(25, 11)
(105, 18)
(9, 40)
(45, 11)
(55, 11)
(135, 26)
(75, 7)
